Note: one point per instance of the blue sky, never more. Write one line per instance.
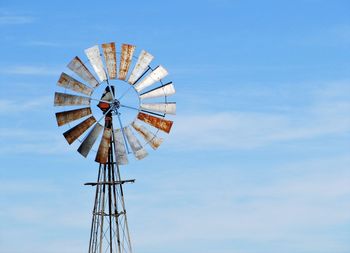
(258, 160)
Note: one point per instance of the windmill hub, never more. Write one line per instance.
(115, 104)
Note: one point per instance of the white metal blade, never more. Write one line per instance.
(168, 108)
(90, 139)
(135, 144)
(110, 59)
(156, 75)
(94, 56)
(141, 66)
(147, 135)
(166, 90)
(78, 67)
(120, 151)
(62, 99)
(69, 82)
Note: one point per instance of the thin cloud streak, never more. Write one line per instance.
(30, 70)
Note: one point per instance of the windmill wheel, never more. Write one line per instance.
(109, 106)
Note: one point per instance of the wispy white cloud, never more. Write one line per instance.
(11, 18)
(234, 129)
(42, 43)
(288, 208)
(10, 106)
(30, 70)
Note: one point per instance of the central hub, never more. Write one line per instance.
(116, 104)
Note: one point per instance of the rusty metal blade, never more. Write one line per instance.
(69, 82)
(120, 151)
(110, 59)
(135, 144)
(90, 140)
(69, 116)
(79, 68)
(161, 124)
(125, 60)
(141, 66)
(156, 75)
(147, 135)
(166, 90)
(102, 153)
(67, 99)
(72, 134)
(94, 56)
(168, 108)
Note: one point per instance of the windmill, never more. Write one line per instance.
(113, 114)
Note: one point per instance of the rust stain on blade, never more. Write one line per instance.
(72, 84)
(72, 134)
(102, 153)
(94, 56)
(166, 90)
(125, 60)
(69, 116)
(111, 59)
(67, 99)
(147, 135)
(89, 141)
(161, 124)
(78, 67)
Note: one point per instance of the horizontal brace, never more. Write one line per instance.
(105, 214)
(110, 182)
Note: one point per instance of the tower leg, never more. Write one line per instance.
(109, 227)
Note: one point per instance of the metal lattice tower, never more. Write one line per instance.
(123, 125)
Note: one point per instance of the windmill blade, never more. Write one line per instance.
(69, 116)
(79, 68)
(102, 153)
(156, 75)
(72, 134)
(161, 124)
(125, 60)
(69, 82)
(166, 90)
(147, 135)
(168, 108)
(135, 144)
(67, 99)
(94, 56)
(90, 140)
(141, 66)
(120, 151)
(110, 59)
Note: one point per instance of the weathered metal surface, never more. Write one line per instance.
(161, 124)
(94, 56)
(125, 60)
(72, 134)
(141, 66)
(102, 152)
(156, 75)
(153, 141)
(67, 99)
(79, 68)
(69, 116)
(120, 151)
(90, 140)
(166, 90)
(110, 59)
(135, 144)
(168, 108)
(69, 82)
